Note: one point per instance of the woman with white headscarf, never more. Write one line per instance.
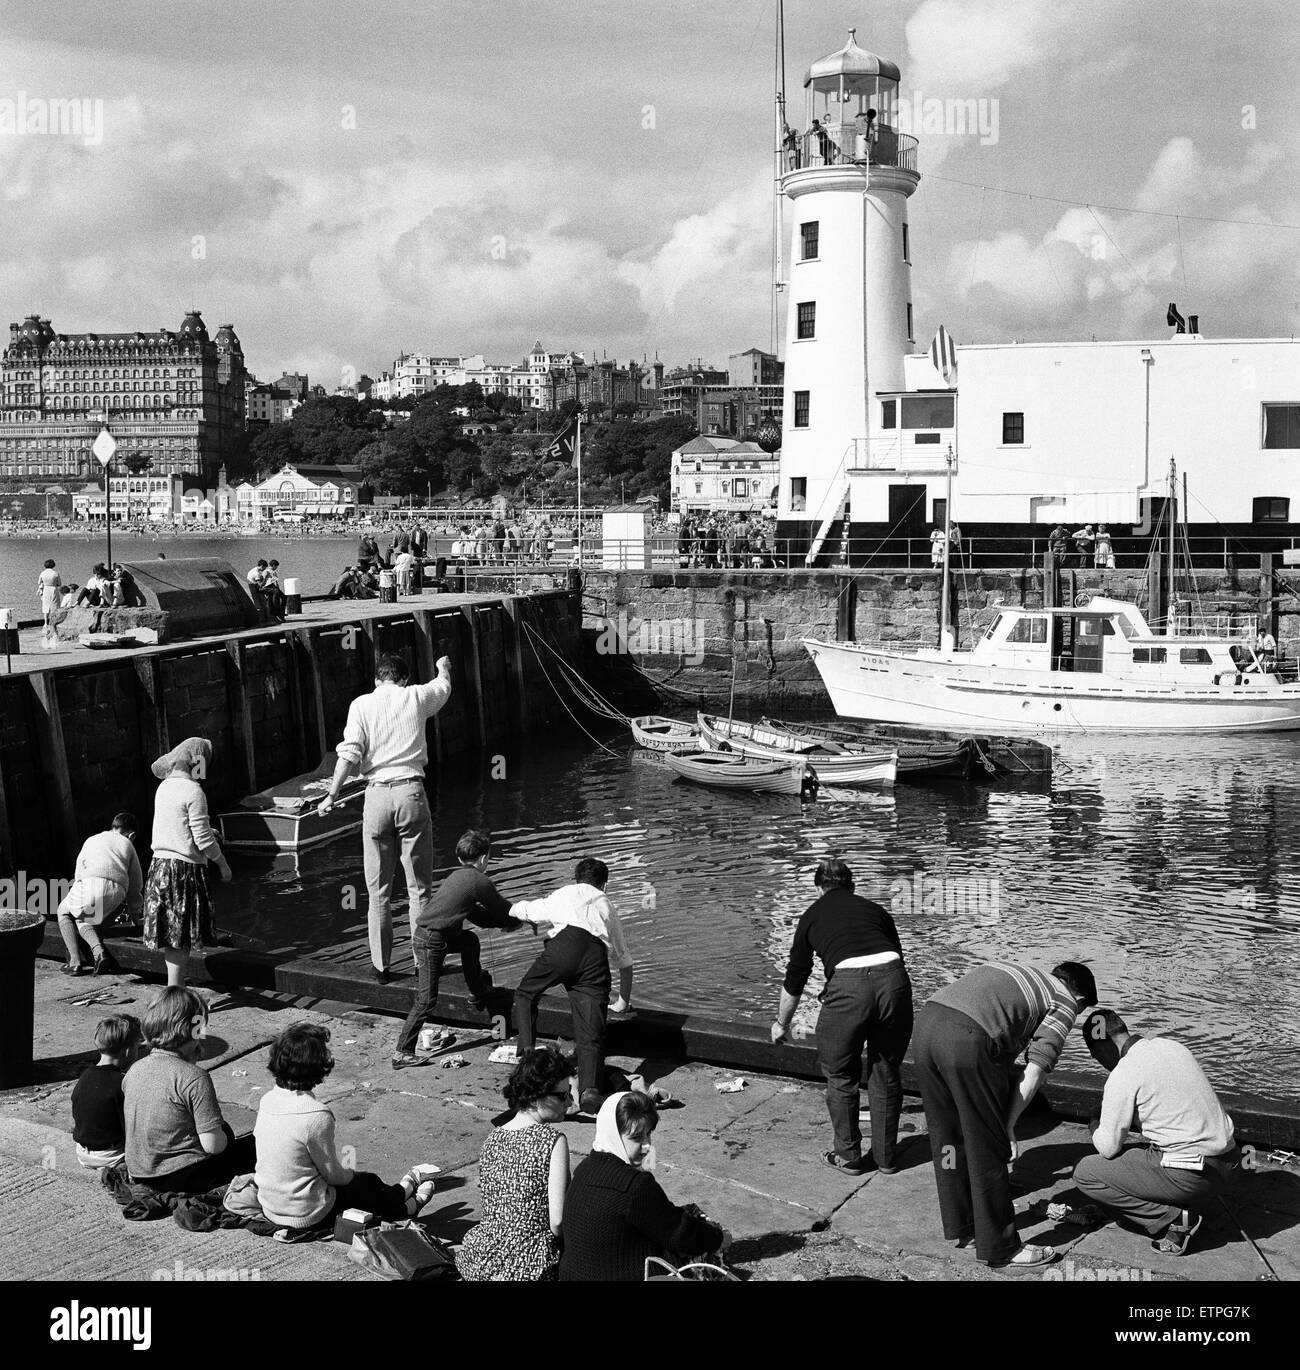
(177, 909)
(615, 1213)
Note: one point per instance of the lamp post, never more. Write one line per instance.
(103, 447)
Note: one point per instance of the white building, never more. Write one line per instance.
(295, 493)
(1039, 433)
(720, 475)
(416, 374)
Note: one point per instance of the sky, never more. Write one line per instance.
(345, 183)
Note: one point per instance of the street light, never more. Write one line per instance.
(103, 447)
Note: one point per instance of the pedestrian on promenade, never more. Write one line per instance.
(1084, 542)
(107, 876)
(466, 895)
(301, 1181)
(48, 586)
(1058, 542)
(419, 541)
(967, 1041)
(367, 551)
(385, 741)
(582, 931)
(176, 1138)
(1103, 555)
(177, 907)
(98, 1107)
(616, 1216)
(523, 1177)
(937, 541)
(867, 1002)
(1188, 1151)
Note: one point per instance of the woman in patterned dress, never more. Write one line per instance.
(177, 910)
(523, 1176)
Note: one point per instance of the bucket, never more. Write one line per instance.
(21, 934)
(388, 587)
(292, 597)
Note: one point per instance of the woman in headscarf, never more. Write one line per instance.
(177, 910)
(615, 1213)
(523, 1176)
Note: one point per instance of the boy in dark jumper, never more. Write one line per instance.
(465, 895)
(98, 1116)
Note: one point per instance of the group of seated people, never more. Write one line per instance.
(104, 589)
(264, 582)
(158, 1119)
(356, 582)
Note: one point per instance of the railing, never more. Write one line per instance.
(893, 453)
(843, 145)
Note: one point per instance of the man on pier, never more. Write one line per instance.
(1188, 1149)
(385, 741)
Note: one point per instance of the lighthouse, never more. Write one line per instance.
(847, 176)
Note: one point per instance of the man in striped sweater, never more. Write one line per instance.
(968, 1041)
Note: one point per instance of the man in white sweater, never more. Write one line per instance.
(1189, 1150)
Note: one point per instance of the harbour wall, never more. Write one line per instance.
(77, 740)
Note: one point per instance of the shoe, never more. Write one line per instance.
(1178, 1235)
(1084, 1217)
(383, 977)
(1026, 1257)
(837, 1162)
(480, 1000)
(590, 1101)
(106, 965)
(406, 1060)
(74, 968)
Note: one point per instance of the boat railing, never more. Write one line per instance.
(1239, 627)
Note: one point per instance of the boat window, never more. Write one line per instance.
(1125, 625)
(1032, 630)
(1194, 656)
(993, 627)
(1151, 655)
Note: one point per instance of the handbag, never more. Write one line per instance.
(402, 1251)
(657, 1270)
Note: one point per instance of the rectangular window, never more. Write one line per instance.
(1194, 656)
(1149, 656)
(925, 437)
(798, 494)
(889, 413)
(1281, 425)
(808, 234)
(1270, 509)
(801, 408)
(928, 411)
(1013, 428)
(807, 320)
(907, 246)
(910, 337)
(1031, 630)
(940, 513)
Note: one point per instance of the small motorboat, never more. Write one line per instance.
(284, 818)
(659, 734)
(919, 758)
(834, 762)
(728, 771)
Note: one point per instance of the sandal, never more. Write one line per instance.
(1178, 1235)
(1026, 1258)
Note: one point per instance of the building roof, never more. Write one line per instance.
(850, 61)
(706, 445)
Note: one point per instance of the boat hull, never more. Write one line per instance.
(658, 734)
(767, 743)
(917, 759)
(284, 818)
(870, 683)
(740, 773)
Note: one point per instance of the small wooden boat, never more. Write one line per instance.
(728, 771)
(835, 763)
(283, 817)
(666, 734)
(919, 758)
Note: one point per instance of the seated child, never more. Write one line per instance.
(98, 1112)
(176, 1138)
(301, 1182)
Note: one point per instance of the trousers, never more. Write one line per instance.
(1151, 1196)
(578, 961)
(431, 950)
(395, 825)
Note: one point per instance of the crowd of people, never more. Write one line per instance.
(105, 588)
(736, 541)
(982, 1047)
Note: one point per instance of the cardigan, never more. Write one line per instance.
(181, 828)
(615, 1216)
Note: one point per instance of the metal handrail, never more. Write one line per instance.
(843, 145)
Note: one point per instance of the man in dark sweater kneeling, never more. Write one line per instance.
(867, 1001)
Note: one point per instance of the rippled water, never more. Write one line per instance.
(1168, 867)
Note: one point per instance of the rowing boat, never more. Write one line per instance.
(660, 734)
(728, 771)
(835, 763)
(284, 818)
(919, 758)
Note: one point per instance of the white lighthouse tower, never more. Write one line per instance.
(848, 175)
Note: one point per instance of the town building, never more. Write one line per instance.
(606, 383)
(296, 492)
(732, 403)
(174, 399)
(1033, 434)
(269, 404)
(721, 475)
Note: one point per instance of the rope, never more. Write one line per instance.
(560, 697)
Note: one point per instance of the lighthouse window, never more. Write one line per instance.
(808, 233)
(1013, 428)
(808, 319)
(801, 408)
(1268, 509)
(927, 411)
(1282, 425)
(907, 248)
(798, 494)
(889, 413)
(910, 335)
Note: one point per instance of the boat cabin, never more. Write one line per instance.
(1110, 637)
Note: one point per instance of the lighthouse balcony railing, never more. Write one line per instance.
(898, 451)
(844, 145)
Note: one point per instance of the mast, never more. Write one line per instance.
(778, 252)
(578, 450)
(946, 642)
(1173, 529)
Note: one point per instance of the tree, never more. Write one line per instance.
(272, 448)
(137, 463)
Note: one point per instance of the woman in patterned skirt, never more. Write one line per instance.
(523, 1175)
(177, 910)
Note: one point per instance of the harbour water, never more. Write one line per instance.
(1170, 867)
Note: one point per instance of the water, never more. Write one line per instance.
(1172, 873)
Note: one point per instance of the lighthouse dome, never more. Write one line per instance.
(851, 61)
